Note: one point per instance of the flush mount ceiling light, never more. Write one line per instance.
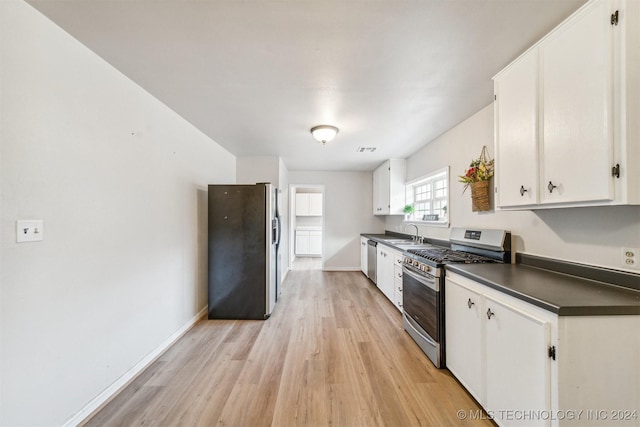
(324, 133)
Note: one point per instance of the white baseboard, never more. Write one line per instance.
(110, 392)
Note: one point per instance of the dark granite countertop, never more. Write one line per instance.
(563, 288)
(560, 293)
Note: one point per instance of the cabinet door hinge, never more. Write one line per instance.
(614, 18)
(615, 171)
(495, 97)
(552, 352)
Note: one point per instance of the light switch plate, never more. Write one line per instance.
(29, 231)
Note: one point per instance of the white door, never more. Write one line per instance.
(516, 118)
(463, 317)
(377, 203)
(302, 242)
(577, 87)
(380, 266)
(315, 204)
(363, 255)
(315, 242)
(302, 204)
(385, 277)
(518, 376)
(385, 188)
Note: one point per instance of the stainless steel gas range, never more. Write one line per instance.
(423, 282)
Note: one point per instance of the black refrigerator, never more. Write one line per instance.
(244, 235)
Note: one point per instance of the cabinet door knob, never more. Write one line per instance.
(522, 190)
(550, 187)
(399, 289)
(490, 313)
(470, 303)
(399, 274)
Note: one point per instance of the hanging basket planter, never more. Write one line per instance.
(478, 176)
(480, 196)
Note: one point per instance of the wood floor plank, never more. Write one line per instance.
(334, 352)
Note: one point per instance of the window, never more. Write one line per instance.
(429, 196)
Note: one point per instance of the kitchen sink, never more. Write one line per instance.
(412, 245)
(404, 244)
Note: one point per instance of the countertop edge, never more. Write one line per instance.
(604, 310)
(505, 290)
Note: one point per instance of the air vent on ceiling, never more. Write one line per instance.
(366, 149)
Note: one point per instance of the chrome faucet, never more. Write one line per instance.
(417, 237)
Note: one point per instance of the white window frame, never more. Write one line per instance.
(432, 177)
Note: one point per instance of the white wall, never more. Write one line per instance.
(285, 217)
(120, 182)
(593, 235)
(347, 213)
(254, 169)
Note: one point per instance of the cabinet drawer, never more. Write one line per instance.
(397, 285)
(397, 300)
(397, 272)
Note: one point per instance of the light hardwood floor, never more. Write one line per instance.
(333, 353)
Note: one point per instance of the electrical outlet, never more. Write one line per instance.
(29, 231)
(630, 257)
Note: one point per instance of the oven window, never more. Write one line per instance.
(421, 304)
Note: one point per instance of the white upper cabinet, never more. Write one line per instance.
(308, 204)
(516, 128)
(388, 187)
(577, 94)
(302, 204)
(566, 114)
(315, 204)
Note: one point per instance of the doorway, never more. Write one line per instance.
(306, 226)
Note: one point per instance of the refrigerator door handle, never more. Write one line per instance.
(279, 231)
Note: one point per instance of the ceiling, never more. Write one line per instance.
(256, 75)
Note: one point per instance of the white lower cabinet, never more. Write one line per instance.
(528, 366)
(389, 265)
(315, 242)
(308, 242)
(464, 337)
(517, 363)
(499, 352)
(364, 246)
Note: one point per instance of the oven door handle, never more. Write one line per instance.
(412, 324)
(422, 279)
